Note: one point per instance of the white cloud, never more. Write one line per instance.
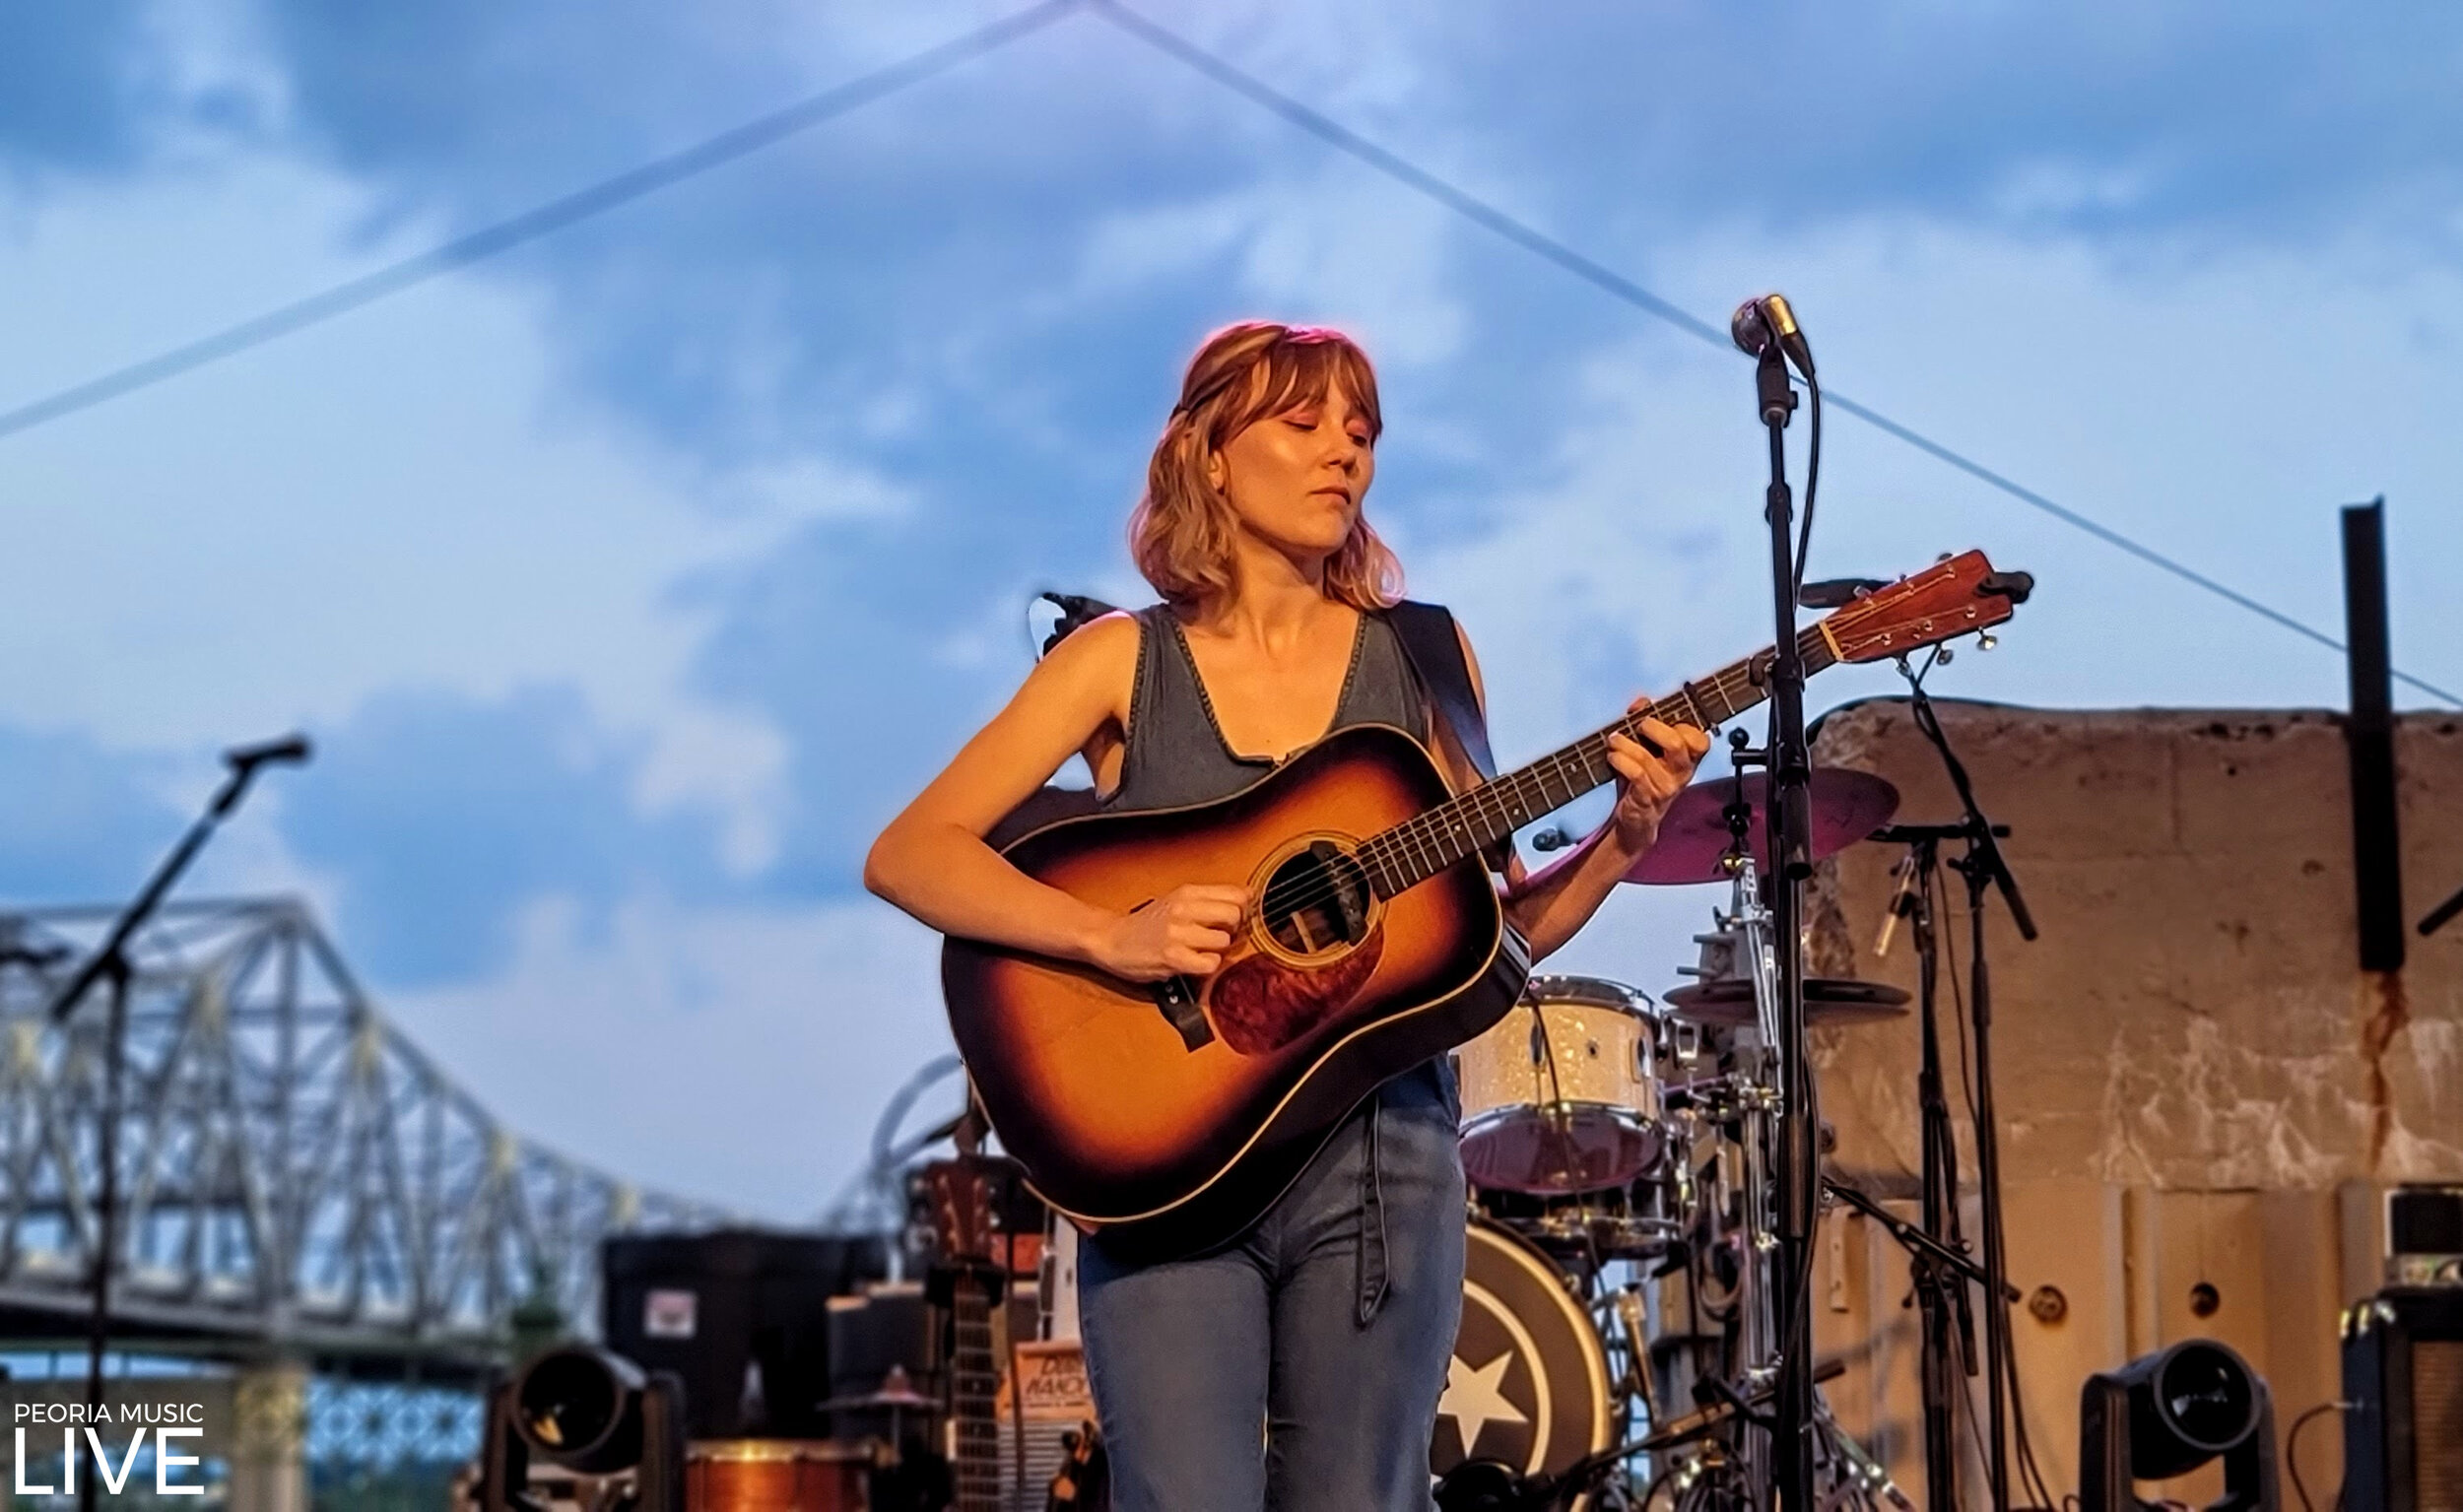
(405, 495)
(739, 1055)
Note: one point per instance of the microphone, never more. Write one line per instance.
(1837, 592)
(1767, 320)
(1901, 904)
(2014, 586)
(1077, 611)
(289, 749)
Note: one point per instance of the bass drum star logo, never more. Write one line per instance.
(1528, 1381)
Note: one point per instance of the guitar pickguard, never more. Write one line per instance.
(1260, 1004)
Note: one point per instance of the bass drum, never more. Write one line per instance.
(1528, 1383)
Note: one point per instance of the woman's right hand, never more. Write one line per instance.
(1182, 933)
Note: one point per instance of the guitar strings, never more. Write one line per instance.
(1434, 832)
(1464, 816)
(1430, 832)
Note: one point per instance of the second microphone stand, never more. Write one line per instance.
(1941, 1292)
(1984, 868)
(111, 967)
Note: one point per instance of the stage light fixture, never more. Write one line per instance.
(2166, 1413)
(590, 1410)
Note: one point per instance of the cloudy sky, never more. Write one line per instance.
(628, 581)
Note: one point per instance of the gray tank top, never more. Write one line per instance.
(1175, 752)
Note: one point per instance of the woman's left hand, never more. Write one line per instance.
(1647, 784)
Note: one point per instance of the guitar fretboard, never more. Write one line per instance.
(975, 1459)
(1419, 848)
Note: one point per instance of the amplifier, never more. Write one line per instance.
(2425, 1236)
(739, 1315)
(2403, 1375)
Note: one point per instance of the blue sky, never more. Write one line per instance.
(630, 581)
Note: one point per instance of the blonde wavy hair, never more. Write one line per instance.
(1180, 534)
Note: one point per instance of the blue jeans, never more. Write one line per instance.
(1299, 1368)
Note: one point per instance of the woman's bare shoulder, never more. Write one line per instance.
(1104, 650)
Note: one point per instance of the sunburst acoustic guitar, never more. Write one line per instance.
(1168, 1116)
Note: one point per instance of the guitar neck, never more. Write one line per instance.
(975, 1461)
(1419, 848)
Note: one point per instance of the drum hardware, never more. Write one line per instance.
(1578, 1071)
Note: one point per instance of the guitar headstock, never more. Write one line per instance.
(1957, 596)
(959, 1194)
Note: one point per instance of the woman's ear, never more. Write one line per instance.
(1216, 472)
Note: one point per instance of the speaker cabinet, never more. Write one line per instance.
(2403, 1373)
(739, 1315)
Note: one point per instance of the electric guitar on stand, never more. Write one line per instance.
(959, 1194)
(1168, 1116)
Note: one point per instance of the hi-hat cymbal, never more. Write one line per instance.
(894, 1390)
(1847, 807)
(1729, 1000)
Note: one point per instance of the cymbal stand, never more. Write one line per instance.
(1760, 1101)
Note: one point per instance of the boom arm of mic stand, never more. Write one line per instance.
(112, 956)
(1982, 832)
(1912, 1237)
(2435, 919)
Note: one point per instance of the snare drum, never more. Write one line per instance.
(1562, 1094)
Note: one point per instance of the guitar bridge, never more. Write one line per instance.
(1177, 996)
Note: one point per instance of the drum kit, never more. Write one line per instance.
(1619, 1326)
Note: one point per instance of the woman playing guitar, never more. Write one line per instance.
(1331, 1321)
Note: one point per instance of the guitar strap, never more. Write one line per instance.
(1429, 639)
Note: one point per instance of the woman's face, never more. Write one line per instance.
(1297, 478)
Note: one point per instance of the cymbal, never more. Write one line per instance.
(1848, 806)
(894, 1390)
(1729, 1000)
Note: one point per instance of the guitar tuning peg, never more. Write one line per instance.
(1986, 641)
(1942, 657)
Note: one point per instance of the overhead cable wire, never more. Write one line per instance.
(531, 224)
(1537, 242)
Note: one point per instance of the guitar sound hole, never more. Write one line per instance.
(1317, 900)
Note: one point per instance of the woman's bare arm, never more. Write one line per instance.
(933, 862)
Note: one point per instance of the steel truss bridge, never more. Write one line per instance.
(298, 1181)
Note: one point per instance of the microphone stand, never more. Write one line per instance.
(110, 963)
(1941, 1300)
(1791, 770)
(1983, 867)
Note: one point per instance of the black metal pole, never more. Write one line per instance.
(2370, 741)
(1937, 1294)
(1791, 768)
(1997, 1343)
(106, 1154)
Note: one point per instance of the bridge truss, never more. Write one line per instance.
(296, 1178)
